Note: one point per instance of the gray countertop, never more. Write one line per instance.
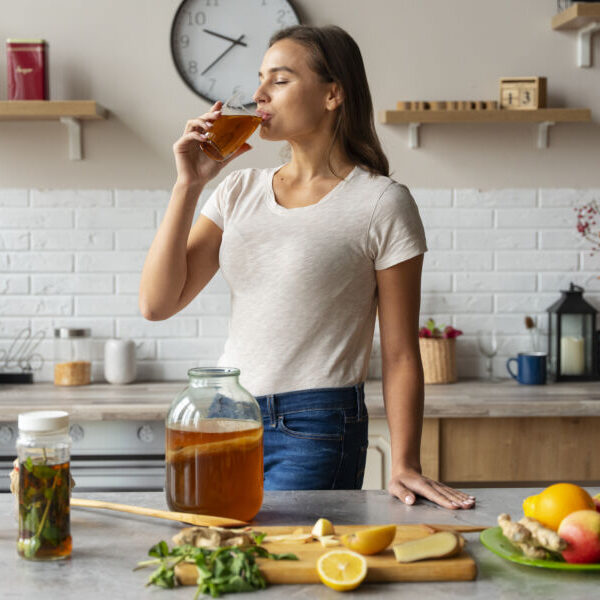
(151, 400)
(107, 545)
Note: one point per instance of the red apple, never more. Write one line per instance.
(596, 500)
(581, 530)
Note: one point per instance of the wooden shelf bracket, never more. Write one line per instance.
(584, 44)
(74, 132)
(542, 139)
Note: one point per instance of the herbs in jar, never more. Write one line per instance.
(44, 485)
(44, 496)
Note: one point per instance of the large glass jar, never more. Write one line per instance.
(43, 448)
(72, 356)
(214, 447)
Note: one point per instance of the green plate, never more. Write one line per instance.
(493, 540)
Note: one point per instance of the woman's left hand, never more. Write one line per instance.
(406, 484)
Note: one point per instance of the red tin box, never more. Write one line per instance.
(27, 74)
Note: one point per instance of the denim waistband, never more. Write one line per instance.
(351, 397)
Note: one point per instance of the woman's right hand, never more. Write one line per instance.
(193, 166)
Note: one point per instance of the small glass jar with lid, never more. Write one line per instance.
(214, 447)
(72, 356)
(44, 489)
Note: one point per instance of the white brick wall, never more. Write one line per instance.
(73, 258)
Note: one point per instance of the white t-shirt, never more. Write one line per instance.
(302, 280)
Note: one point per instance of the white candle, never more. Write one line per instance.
(572, 355)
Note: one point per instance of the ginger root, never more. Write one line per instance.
(534, 540)
(212, 537)
(437, 545)
(547, 538)
(515, 532)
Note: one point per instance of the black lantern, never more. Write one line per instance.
(572, 344)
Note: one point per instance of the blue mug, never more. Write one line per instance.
(531, 368)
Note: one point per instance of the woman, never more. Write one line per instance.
(310, 250)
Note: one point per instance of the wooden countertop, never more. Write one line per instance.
(151, 400)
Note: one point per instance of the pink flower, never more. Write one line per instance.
(431, 330)
(450, 332)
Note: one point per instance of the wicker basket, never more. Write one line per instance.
(439, 359)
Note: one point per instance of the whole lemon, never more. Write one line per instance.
(557, 501)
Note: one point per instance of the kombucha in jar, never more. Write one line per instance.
(216, 469)
(214, 447)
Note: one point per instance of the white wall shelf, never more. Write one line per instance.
(544, 117)
(584, 18)
(69, 112)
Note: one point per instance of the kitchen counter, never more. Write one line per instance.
(465, 399)
(465, 425)
(107, 546)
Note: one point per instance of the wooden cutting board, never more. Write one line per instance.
(381, 567)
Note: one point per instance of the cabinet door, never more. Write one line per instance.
(377, 469)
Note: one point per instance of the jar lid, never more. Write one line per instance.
(68, 332)
(44, 420)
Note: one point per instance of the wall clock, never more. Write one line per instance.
(218, 45)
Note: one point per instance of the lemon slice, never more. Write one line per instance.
(371, 540)
(342, 570)
(322, 527)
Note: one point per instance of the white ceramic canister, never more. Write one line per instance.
(119, 361)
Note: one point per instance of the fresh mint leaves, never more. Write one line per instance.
(228, 569)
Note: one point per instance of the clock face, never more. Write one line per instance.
(218, 45)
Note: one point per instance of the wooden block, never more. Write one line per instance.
(438, 105)
(403, 105)
(523, 93)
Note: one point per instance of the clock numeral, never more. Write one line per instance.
(212, 2)
(184, 41)
(264, 3)
(198, 18)
(192, 67)
(281, 17)
(212, 83)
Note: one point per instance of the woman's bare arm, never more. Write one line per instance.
(181, 259)
(399, 296)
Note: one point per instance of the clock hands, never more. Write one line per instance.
(225, 37)
(234, 43)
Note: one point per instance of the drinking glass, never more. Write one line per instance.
(487, 340)
(235, 125)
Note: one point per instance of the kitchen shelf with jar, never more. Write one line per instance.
(545, 117)
(584, 18)
(69, 112)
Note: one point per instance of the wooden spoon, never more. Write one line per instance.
(458, 528)
(205, 520)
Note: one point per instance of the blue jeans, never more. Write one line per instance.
(315, 439)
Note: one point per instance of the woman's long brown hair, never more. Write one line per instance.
(335, 57)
